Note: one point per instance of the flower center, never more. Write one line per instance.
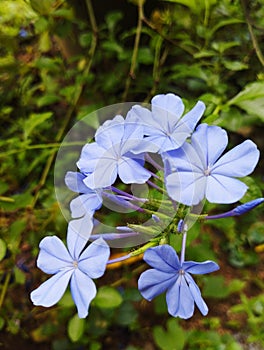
(207, 172)
(181, 272)
(75, 264)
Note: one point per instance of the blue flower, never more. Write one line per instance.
(163, 126)
(75, 265)
(88, 201)
(197, 170)
(170, 276)
(110, 155)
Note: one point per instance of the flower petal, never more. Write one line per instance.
(163, 258)
(110, 133)
(186, 187)
(223, 189)
(90, 154)
(166, 110)
(130, 171)
(179, 299)
(94, 258)
(104, 174)
(75, 241)
(85, 203)
(51, 291)
(83, 291)
(151, 283)
(53, 255)
(200, 268)
(188, 122)
(239, 161)
(74, 181)
(196, 294)
(209, 142)
(80, 227)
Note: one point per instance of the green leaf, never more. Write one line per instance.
(253, 191)
(34, 121)
(235, 65)
(2, 249)
(172, 339)
(251, 99)
(108, 298)
(76, 328)
(215, 287)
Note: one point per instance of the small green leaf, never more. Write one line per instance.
(172, 339)
(2, 249)
(75, 328)
(251, 99)
(34, 121)
(108, 298)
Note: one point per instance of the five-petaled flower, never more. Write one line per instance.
(75, 265)
(110, 155)
(164, 127)
(196, 170)
(173, 277)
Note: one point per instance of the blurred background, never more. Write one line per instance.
(59, 61)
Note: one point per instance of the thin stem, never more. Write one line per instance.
(5, 286)
(250, 29)
(184, 237)
(150, 160)
(131, 74)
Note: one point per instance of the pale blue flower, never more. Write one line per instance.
(164, 126)
(197, 170)
(75, 266)
(102, 161)
(170, 276)
(88, 201)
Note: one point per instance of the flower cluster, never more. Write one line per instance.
(193, 169)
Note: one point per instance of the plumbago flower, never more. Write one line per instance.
(173, 277)
(75, 265)
(164, 128)
(110, 155)
(197, 170)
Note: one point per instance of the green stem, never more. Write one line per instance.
(250, 29)
(131, 74)
(4, 290)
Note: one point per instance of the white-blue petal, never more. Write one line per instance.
(200, 268)
(104, 174)
(130, 171)
(186, 187)
(209, 143)
(166, 110)
(152, 283)
(83, 291)
(74, 181)
(90, 155)
(224, 190)
(110, 133)
(53, 255)
(80, 228)
(85, 203)
(188, 122)
(179, 299)
(239, 161)
(94, 258)
(163, 258)
(51, 291)
(196, 294)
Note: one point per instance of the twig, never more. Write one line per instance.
(131, 74)
(250, 29)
